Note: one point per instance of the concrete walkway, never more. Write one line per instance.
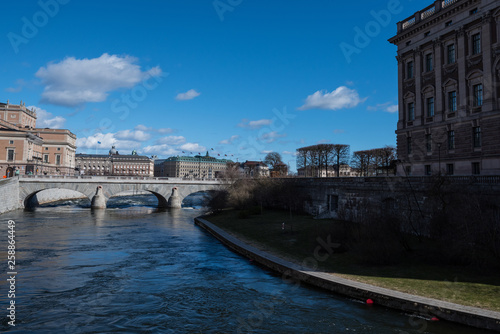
(423, 306)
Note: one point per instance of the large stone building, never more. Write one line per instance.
(197, 167)
(115, 164)
(29, 150)
(449, 92)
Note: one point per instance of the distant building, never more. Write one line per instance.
(115, 164)
(31, 150)
(255, 169)
(331, 171)
(197, 167)
(279, 170)
(449, 91)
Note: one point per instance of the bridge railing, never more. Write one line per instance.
(89, 177)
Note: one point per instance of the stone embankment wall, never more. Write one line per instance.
(9, 194)
(353, 199)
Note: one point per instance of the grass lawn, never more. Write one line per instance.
(413, 274)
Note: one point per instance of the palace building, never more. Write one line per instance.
(115, 164)
(197, 167)
(449, 89)
(26, 149)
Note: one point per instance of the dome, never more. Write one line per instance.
(113, 151)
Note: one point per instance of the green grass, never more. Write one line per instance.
(416, 273)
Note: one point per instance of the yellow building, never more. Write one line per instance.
(25, 149)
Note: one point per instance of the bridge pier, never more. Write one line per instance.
(99, 200)
(175, 200)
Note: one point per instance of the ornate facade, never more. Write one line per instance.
(114, 164)
(25, 149)
(449, 89)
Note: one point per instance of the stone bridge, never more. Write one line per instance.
(162, 188)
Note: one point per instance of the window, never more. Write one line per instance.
(409, 145)
(58, 148)
(449, 169)
(428, 62)
(46, 158)
(451, 54)
(473, 11)
(449, 23)
(411, 111)
(428, 142)
(427, 170)
(11, 142)
(476, 44)
(427, 33)
(10, 155)
(452, 101)
(58, 159)
(409, 70)
(451, 140)
(476, 136)
(478, 95)
(476, 170)
(430, 107)
(46, 149)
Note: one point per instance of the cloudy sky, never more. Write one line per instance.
(235, 77)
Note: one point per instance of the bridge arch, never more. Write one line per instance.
(28, 201)
(162, 201)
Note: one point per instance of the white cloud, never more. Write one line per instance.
(20, 84)
(45, 119)
(142, 127)
(387, 107)
(107, 140)
(72, 82)
(271, 136)
(193, 147)
(172, 140)
(245, 123)
(136, 135)
(230, 140)
(189, 95)
(340, 98)
(162, 150)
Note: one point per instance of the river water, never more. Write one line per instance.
(134, 269)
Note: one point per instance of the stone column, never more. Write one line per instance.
(99, 200)
(175, 200)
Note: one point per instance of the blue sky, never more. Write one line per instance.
(241, 77)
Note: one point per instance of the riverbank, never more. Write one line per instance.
(243, 235)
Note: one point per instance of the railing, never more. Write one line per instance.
(425, 13)
(428, 12)
(447, 3)
(409, 23)
(88, 177)
(465, 179)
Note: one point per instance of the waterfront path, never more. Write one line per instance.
(426, 307)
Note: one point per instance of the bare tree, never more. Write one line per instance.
(341, 155)
(273, 159)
